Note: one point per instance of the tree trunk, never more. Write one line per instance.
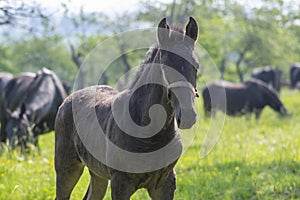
(222, 68)
(76, 58)
(124, 59)
(239, 61)
(239, 72)
(172, 12)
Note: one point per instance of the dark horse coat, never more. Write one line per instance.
(240, 98)
(30, 104)
(4, 79)
(294, 74)
(79, 141)
(11, 98)
(271, 76)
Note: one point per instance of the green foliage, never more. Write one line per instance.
(33, 54)
(252, 160)
(245, 35)
(5, 61)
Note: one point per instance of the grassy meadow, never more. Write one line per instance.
(252, 160)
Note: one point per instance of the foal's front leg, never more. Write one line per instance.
(166, 192)
(122, 186)
(97, 187)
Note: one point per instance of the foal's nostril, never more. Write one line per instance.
(196, 93)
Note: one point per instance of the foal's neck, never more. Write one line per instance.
(153, 91)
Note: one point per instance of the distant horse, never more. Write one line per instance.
(271, 76)
(4, 79)
(175, 93)
(241, 98)
(12, 95)
(32, 106)
(294, 74)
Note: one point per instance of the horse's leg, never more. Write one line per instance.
(257, 114)
(97, 187)
(207, 108)
(122, 187)
(68, 167)
(248, 116)
(66, 179)
(166, 192)
(213, 112)
(207, 112)
(3, 135)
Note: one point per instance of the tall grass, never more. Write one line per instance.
(252, 160)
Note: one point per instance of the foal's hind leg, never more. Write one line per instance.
(68, 168)
(97, 187)
(166, 192)
(66, 179)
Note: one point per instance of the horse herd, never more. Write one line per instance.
(87, 132)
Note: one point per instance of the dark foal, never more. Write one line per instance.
(167, 78)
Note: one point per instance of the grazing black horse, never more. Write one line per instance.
(271, 76)
(169, 73)
(294, 74)
(4, 79)
(32, 106)
(241, 98)
(13, 94)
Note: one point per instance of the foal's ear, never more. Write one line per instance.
(163, 31)
(191, 29)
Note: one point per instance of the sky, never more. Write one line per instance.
(113, 7)
(106, 6)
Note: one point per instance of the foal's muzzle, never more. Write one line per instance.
(185, 114)
(186, 118)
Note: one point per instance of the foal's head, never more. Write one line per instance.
(179, 63)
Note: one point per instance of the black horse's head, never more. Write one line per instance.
(180, 66)
(278, 106)
(294, 75)
(17, 127)
(271, 99)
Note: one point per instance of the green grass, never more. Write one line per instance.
(252, 160)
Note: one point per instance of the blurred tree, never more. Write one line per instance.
(35, 53)
(236, 34)
(108, 28)
(13, 10)
(176, 12)
(260, 38)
